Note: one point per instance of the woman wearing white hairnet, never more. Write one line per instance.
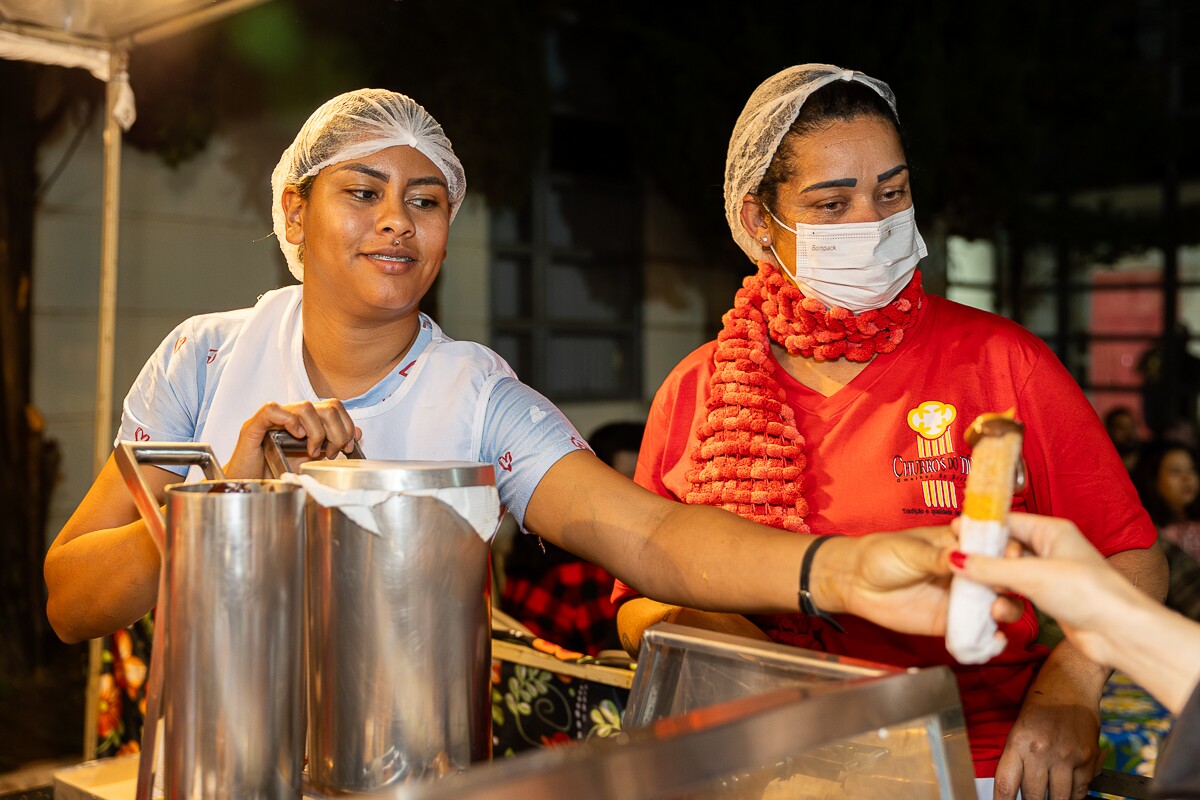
(835, 402)
(363, 201)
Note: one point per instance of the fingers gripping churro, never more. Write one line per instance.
(971, 635)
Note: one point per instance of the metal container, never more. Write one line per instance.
(227, 667)
(399, 630)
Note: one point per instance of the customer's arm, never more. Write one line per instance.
(1055, 741)
(1103, 614)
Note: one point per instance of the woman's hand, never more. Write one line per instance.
(898, 580)
(1053, 749)
(325, 425)
(1067, 569)
(1117, 625)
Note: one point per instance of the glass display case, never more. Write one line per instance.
(836, 729)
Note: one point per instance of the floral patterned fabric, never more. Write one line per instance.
(122, 695)
(1132, 726)
(533, 708)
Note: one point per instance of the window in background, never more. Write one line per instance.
(566, 270)
(971, 272)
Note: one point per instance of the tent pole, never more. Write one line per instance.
(102, 440)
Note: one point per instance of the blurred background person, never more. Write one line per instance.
(1123, 430)
(1169, 485)
(557, 595)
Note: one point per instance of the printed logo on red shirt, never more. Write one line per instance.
(937, 467)
(506, 461)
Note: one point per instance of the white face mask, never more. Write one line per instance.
(857, 266)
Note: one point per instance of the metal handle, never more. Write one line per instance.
(279, 444)
(130, 454)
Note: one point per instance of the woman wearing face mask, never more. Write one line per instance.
(836, 397)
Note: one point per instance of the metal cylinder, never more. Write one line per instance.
(233, 657)
(399, 633)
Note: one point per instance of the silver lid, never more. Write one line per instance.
(399, 476)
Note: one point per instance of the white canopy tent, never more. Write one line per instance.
(97, 35)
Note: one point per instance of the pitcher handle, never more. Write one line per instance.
(279, 444)
(130, 454)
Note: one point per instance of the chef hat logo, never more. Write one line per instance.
(931, 418)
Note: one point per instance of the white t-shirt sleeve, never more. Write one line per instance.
(173, 392)
(524, 435)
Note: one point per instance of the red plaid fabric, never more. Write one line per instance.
(567, 604)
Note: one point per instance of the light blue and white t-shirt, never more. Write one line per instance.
(447, 400)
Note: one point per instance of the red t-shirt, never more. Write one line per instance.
(881, 457)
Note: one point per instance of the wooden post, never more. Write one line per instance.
(106, 337)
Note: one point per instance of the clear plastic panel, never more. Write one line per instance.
(681, 669)
(896, 762)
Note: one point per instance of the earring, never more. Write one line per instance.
(766, 239)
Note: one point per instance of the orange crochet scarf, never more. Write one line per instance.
(750, 457)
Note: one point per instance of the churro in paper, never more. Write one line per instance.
(971, 633)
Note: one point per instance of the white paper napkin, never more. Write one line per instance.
(971, 633)
(478, 505)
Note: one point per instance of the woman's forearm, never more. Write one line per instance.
(101, 582)
(102, 569)
(703, 557)
(1158, 648)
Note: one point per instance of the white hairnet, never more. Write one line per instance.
(768, 114)
(357, 124)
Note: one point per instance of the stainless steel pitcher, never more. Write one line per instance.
(227, 666)
(399, 630)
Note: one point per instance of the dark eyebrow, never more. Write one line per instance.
(371, 172)
(430, 180)
(891, 173)
(850, 182)
(364, 169)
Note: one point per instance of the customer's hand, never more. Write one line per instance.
(1068, 569)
